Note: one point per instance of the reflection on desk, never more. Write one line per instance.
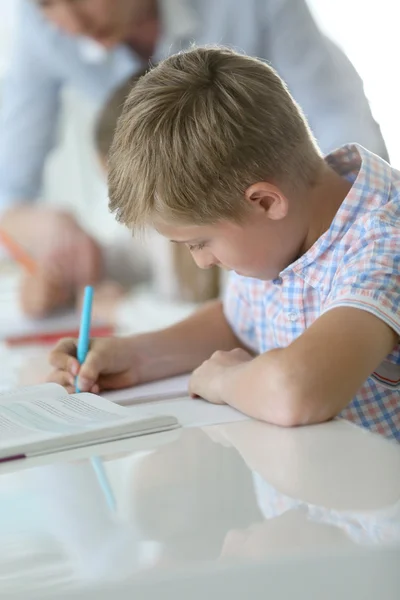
(245, 491)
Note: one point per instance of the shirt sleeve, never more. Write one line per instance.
(29, 110)
(369, 276)
(320, 76)
(238, 312)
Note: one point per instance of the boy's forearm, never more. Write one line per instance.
(311, 380)
(184, 346)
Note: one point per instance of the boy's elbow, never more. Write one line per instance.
(292, 405)
(298, 410)
(292, 411)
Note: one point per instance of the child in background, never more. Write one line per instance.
(112, 270)
(121, 265)
(55, 282)
(214, 153)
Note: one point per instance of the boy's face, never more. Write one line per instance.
(265, 243)
(108, 22)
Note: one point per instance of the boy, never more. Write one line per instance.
(214, 153)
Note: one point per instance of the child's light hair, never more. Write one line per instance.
(197, 131)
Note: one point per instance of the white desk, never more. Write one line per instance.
(318, 506)
(197, 500)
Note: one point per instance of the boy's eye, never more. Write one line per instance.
(196, 247)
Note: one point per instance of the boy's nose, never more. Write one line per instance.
(205, 261)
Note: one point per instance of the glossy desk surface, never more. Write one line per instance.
(213, 501)
(197, 498)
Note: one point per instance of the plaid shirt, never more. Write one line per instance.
(355, 263)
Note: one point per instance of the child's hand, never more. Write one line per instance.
(111, 363)
(42, 293)
(54, 238)
(207, 381)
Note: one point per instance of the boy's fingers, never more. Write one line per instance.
(91, 369)
(116, 381)
(63, 378)
(64, 356)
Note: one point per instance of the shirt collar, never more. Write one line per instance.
(371, 186)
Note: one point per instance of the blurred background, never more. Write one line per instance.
(366, 31)
(74, 180)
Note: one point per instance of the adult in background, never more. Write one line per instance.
(94, 45)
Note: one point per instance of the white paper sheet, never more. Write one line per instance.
(170, 396)
(190, 412)
(171, 388)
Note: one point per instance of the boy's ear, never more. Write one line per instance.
(268, 198)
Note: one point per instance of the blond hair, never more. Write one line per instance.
(197, 131)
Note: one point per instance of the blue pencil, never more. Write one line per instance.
(84, 331)
(82, 350)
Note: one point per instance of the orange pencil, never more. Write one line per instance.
(18, 253)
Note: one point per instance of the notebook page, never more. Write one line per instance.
(40, 417)
(30, 392)
(164, 389)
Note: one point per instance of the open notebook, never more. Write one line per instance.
(43, 419)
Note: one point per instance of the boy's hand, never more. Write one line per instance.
(208, 380)
(111, 363)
